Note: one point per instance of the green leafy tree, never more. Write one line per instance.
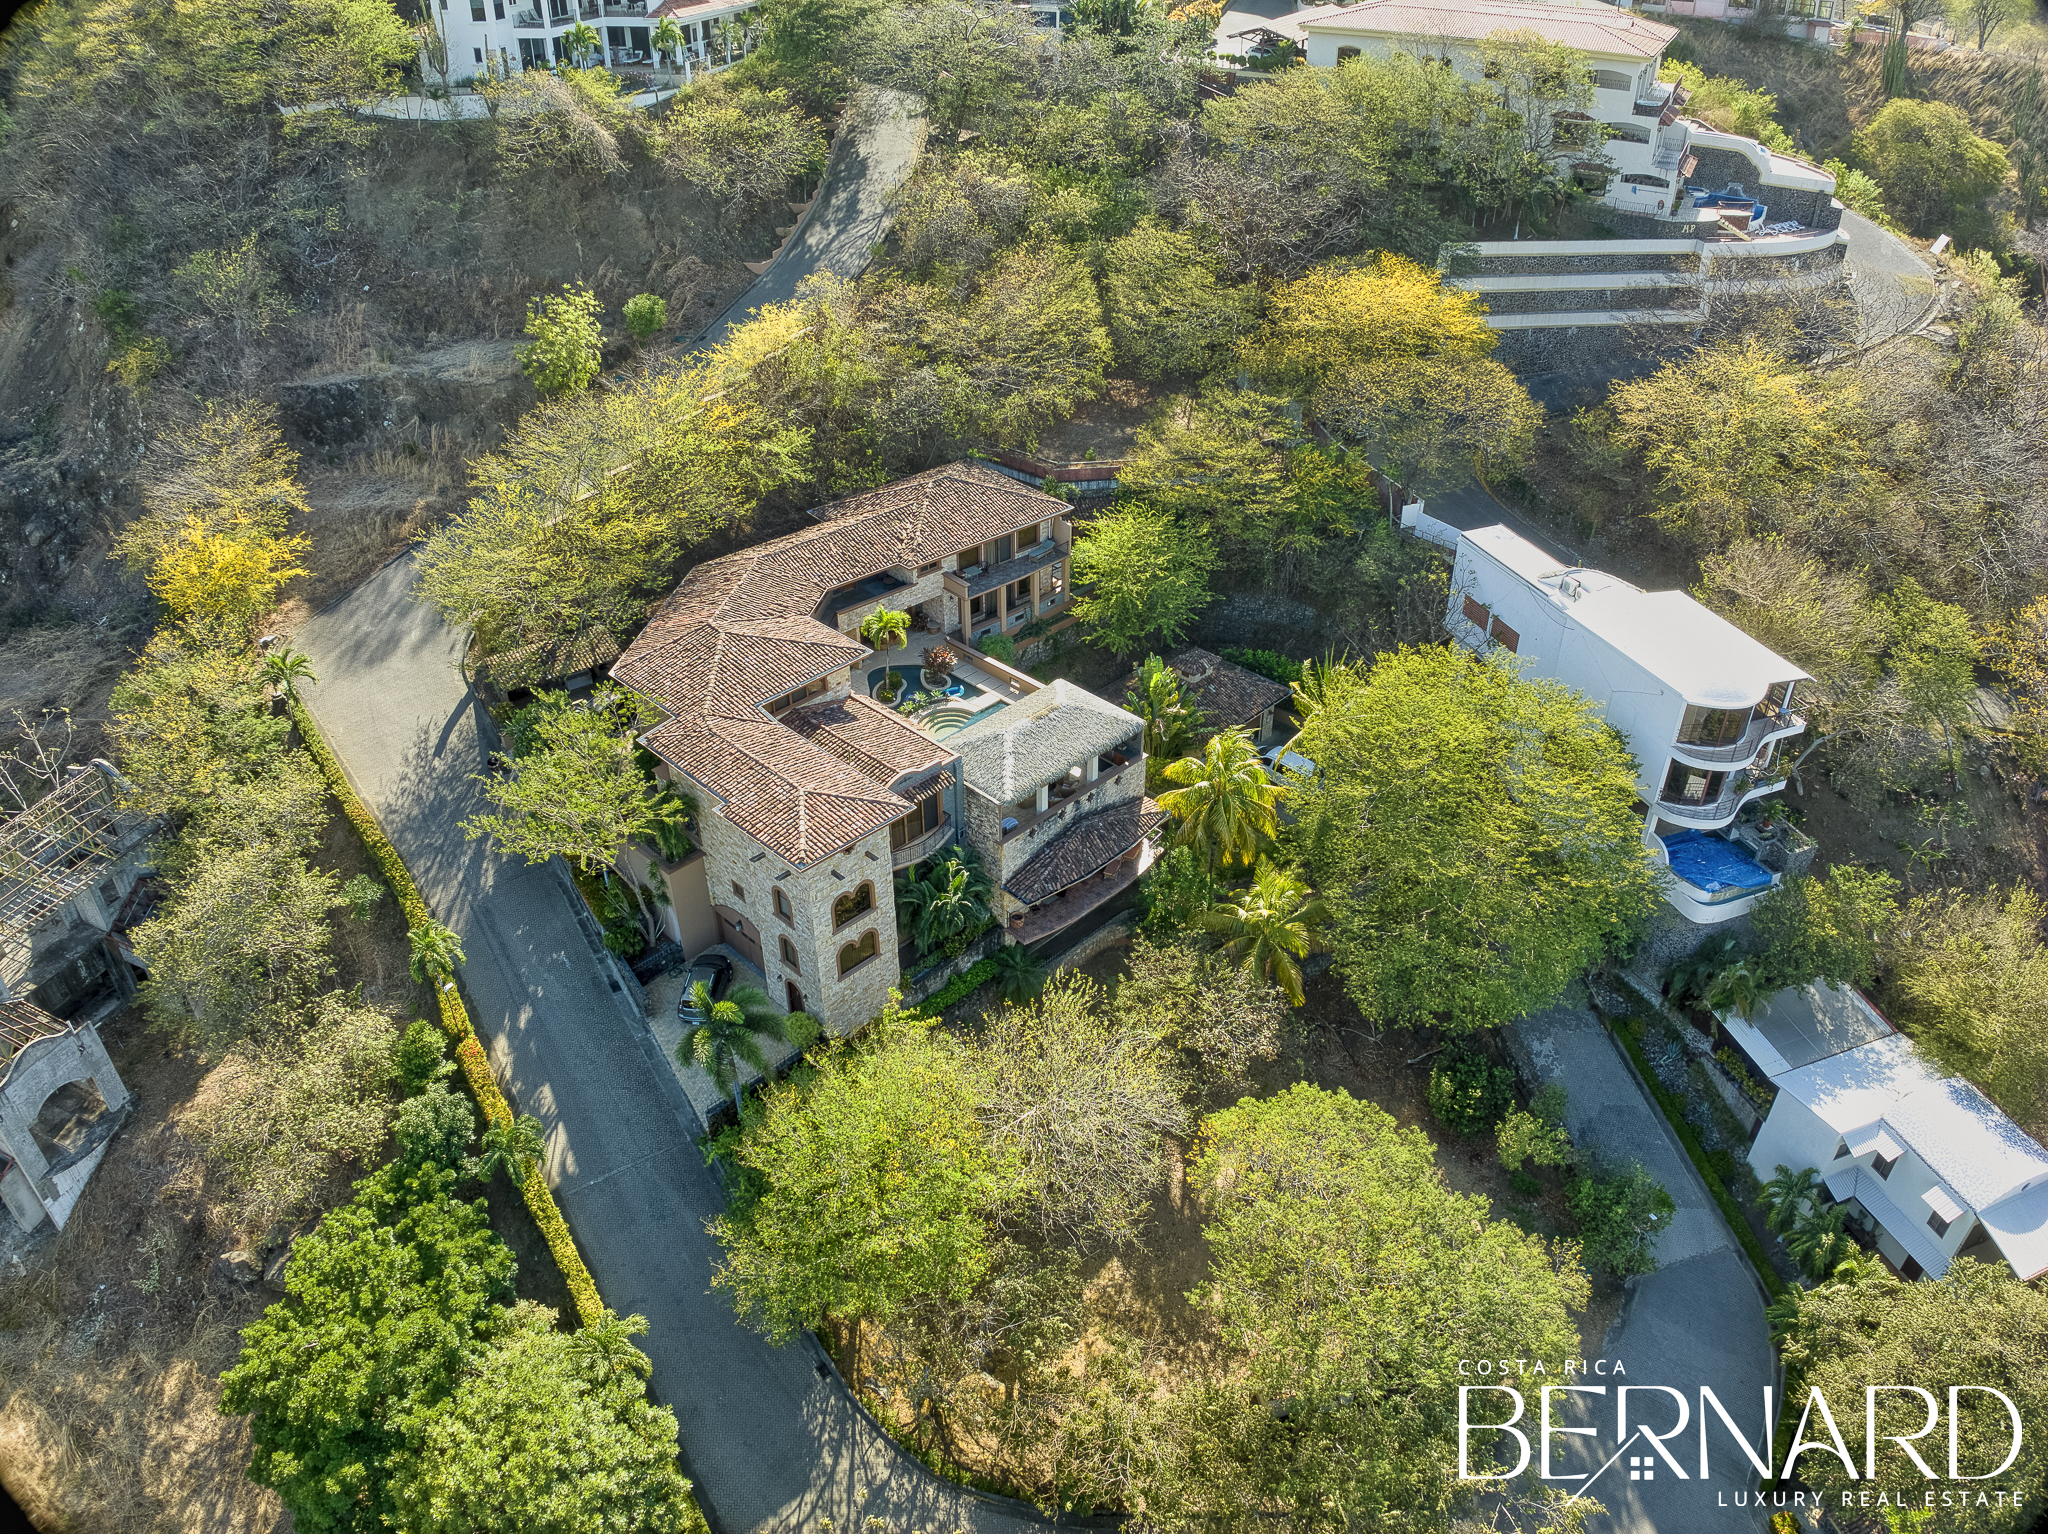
(1468, 1093)
(740, 144)
(1174, 892)
(1213, 460)
(421, 1055)
(1828, 927)
(1079, 1102)
(871, 1188)
(1270, 928)
(1620, 1217)
(1819, 1240)
(1226, 806)
(542, 1436)
(645, 314)
(434, 1126)
(1220, 1018)
(363, 895)
(727, 1035)
(568, 334)
(1740, 988)
(388, 1305)
(1975, 1325)
(436, 951)
(1145, 574)
(1933, 168)
(1536, 1134)
(1169, 310)
(582, 796)
(1475, 833)
(1331, 1415)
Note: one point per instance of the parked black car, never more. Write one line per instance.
(714, 970)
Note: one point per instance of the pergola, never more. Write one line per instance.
(55, 848)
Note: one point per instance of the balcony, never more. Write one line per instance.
(1075, 785)
(902, 857)
(530, 19)
(1762, 729)
(1721, 807)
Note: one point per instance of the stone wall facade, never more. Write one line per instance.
(1680, 294)
(1718, 169)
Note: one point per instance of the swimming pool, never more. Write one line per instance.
(950, 719)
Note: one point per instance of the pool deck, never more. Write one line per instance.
(997, 689)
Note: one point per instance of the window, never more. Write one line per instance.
(1691, 785)
(1712, 726)
(1639, 178)
(999, 549)
(1882, 1165)
(1505, 637)
(853, 905)
(789, 955)
(968, 557)
(498, 9)
(1345, 53)
(921, 821)
(1911, 1270)
(478, 51)
(1936, 1223)
(782, 906)
(1055, 583)
(924, 570)
(1020, 593)
(1841, 1149)
(738, 892)
(858, 952)
(1628, 133)
(790, 700)
(476, 10)
(1477, 614)
(1612, 80)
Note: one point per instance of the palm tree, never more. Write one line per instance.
(1020, 975)
(958, 903)
(1818, 1242)
(1786, 1194)
(1226, 803)
(1323, 686)
(1266, 928)
(667, 40)
(285, 669)
(728, 1034)
(1169, 724)
(608, 1343)
(435, 952)
(1738, 989)
(515, 1145)
(579, 42)
(885, 628)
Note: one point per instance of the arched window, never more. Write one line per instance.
(789, 956)
(858, 952)
(782, 906)
(853, 905)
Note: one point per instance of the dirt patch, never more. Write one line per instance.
(1983, 836)
(1106, 427)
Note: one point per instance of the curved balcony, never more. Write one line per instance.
(1717, 810)
(1761, 732)
(932, 840)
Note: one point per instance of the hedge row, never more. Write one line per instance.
(1674, 1114)
(469, 1050)
(968, 981)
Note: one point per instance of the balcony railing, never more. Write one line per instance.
(923, 847)
(1718, 808)
(528, 19)
(1745, 748)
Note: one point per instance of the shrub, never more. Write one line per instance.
(1468, 1093)
(434, 1126)
(568, 340)
(1620, 1217)
(363, 894)
(1267, 663)
(420, 1056)
(999, 647)
(800, 1030)
(646, 314)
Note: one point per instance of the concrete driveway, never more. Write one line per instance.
(1698, 1320)
(1890, 280)
(770, 1436)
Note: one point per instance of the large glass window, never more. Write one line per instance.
(1692, 785)
(858, 952)
(853, 905)
(1712, 726)
(919, 822)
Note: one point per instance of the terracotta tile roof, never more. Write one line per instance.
(1227, 694)
(1588, 25)
(1087, 847)
(876, 740)
(742, 630)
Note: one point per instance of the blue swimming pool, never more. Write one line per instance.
(1713, 864)
(910, 682)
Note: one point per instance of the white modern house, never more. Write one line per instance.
(492, 38)
(1705, 708)
(1630, 145)
(1928, 1166)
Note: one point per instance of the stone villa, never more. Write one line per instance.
(822, 768)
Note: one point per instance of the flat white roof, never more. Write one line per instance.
(1692, 649)
(1800, 1025)
(1591, 26)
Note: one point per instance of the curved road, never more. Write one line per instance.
(771, 1437)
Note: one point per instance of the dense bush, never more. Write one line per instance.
(1468, 1093)
(1267, 663)
(1620, 1217)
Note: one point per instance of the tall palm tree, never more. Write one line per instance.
(1169, 723)
(436, 950)
(667, 40)
(957, 904)
(608, 1343)
(1019, 975)
(728, 1034)
(1818, 1242)
(1226, 805)
(284, 669)
(1738, 989)
(885, 628)
(580, 42)
(1268, 928)
(515, 1145)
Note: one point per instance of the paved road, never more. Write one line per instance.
(771, 1442)
(1890, 280)
(1698, 1320)
(883, 134)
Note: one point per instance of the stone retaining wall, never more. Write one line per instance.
(1568, 300)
